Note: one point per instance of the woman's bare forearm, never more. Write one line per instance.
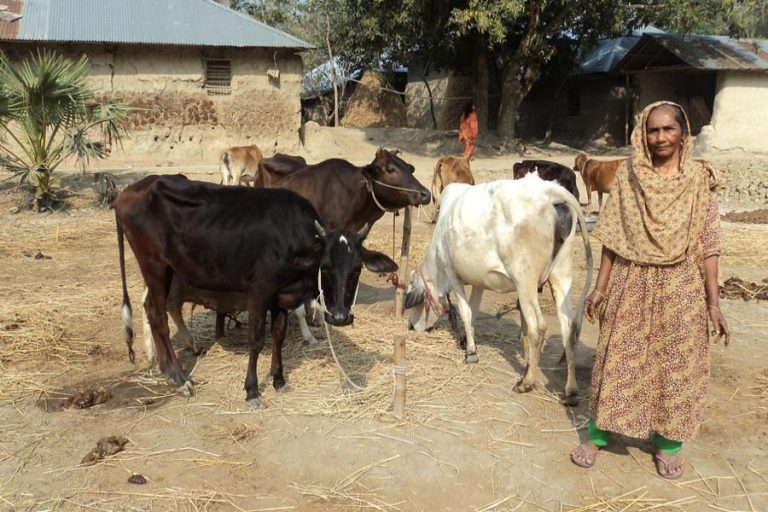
(606, 264)
(710, 281)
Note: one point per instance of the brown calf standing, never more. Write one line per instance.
(597, 175)
(449, 169)
(239, 163)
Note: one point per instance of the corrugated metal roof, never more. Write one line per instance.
(698, 52)
(9, 26)
(171, 22)
(609, 52)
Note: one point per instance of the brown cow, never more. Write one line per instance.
(266, 244)
(449, 169)
(277, 167)
(349, 197)
(597, 175)
(345, 196)
(240, 163)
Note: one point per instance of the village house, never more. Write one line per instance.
(203, 75)
(721, 82)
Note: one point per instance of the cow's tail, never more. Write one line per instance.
(567, 197)
(224, 169)
(126, 311)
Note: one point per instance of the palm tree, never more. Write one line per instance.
(48, 113)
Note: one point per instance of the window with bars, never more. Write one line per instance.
(218, 76)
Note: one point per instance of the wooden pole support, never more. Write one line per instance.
(404, 251)
(398, 408)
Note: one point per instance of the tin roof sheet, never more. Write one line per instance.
(168, 22)
(696, 51)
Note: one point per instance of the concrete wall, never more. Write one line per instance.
(740, 117)
(179, 120)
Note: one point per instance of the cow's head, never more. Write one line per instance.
(421, 299)
(340, 270)
(393, 182)
(578, 165)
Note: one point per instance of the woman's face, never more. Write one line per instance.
(662, 132)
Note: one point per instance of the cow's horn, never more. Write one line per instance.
(319, 228)
(364, 230)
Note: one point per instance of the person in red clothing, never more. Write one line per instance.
(468, 129)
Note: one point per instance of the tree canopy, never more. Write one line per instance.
(510, 40)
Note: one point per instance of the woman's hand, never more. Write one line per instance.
(593, 300)
(719, 325)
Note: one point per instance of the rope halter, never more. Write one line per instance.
(429, 300)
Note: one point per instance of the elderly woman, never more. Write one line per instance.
(656, 287)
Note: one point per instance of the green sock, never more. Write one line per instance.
(667, 446)
(597, 436)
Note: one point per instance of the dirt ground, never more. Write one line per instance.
(750, 217)
(468, 442)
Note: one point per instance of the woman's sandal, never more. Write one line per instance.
(585, 454)
(668, 466)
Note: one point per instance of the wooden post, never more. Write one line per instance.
(398, 407)
(404, 251)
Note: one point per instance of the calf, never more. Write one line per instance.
(597, 175)
(449, 169)
(266, 244)
(240, 163)
(550, 171)
(504, 236)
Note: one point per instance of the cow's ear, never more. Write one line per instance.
(414, 298)
(378, 262)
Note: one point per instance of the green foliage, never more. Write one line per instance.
(47, 114)
(518, 37)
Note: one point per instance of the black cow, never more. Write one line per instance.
(267, 244)
(550, 171)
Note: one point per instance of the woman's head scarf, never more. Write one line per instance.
(654, 220)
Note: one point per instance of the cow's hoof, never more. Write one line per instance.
(523, 387)
(311, 341)
(471, 358)
(186, 389)
(278, 383)
(256, 403)
(571, 400)
(285, 388)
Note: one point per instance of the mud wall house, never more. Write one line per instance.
(721, 82)
(367, 98)
(204, 76)
(591, 104)
(435, 97)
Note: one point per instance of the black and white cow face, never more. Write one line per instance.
(423, 315)
(340, 271)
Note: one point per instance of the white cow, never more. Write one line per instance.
(504, 236)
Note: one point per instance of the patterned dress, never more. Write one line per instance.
(651, 370)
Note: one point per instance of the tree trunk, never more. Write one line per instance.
(511, 97)
(333, 71)
(481, 85)
(518, 81)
